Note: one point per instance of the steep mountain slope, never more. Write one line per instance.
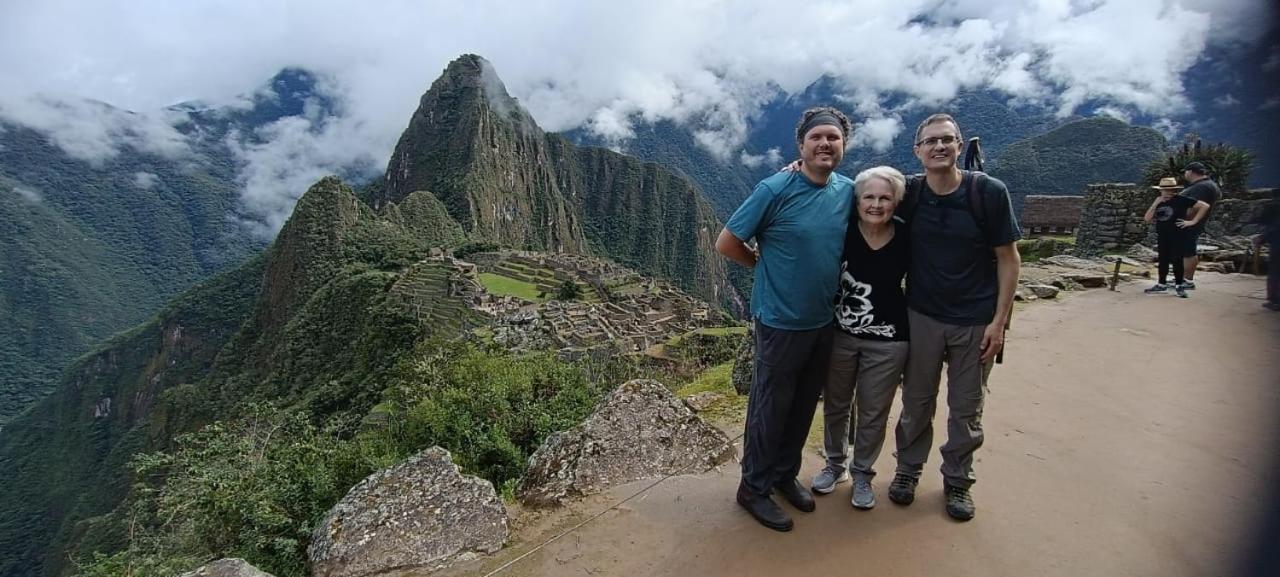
(311, 324)
(97, 248)
(506, 181)
(344, 298)
(1065, 159)
(92, 248)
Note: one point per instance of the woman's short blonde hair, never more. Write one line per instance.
(889, 174)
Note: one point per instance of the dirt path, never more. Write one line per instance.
(1126, 435)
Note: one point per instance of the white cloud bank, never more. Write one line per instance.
(708, 64)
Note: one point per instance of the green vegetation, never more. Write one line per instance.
(507, 286)
(1034, 249)
(317, 325)
(568, 291)
(1066, 159)
(256, 487)
(1228, 165)
(722, 331)
(718, 379)
(87, 250)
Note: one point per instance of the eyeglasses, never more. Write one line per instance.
(947, 140)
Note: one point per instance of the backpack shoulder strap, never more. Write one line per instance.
(911, 199)
(978, 202)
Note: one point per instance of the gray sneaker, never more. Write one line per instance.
(864, 497)
(826, 480)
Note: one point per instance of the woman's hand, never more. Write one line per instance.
(793, 167)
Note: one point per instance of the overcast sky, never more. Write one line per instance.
(709, 64)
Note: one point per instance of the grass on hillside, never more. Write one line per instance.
(507, 286)
(729, 411)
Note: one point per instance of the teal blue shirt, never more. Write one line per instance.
(799, 228)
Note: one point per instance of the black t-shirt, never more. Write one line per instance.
(870, 303)
(953, 268)
(1169, 212)
(1206, 190)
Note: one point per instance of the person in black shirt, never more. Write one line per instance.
(870, 347)
(1204, 192)
(964, 270)
(1169, 212)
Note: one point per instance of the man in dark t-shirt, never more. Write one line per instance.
(964, 269)
(1205, 192)
(1169, 212)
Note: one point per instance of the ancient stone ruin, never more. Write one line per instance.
(641, 430)
(1111, 222)
(421, 513)
(619, 307)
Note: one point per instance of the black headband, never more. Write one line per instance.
(818, 120)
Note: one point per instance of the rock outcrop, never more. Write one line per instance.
(420, 513)
(227, 568)
(641, 430)
(744, 365)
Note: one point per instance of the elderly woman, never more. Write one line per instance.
(870, 347)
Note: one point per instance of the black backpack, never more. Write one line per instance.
(977, 203)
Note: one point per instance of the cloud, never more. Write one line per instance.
(1169, 128)
(1116, 113)
(771, 157)
(877, 133)
(281, 160)
(95, 132)
(1225, 101)
(1270, 103)
(145, 180)
(29, 194)
(710, 66)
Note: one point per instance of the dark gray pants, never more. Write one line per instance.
(932, 342)
(864, 376)
(791, 369)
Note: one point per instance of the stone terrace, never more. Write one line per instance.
(618, 307)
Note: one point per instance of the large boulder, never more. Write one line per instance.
(1043, 291)
(229, 567)
(1087, 279)
(421, 513)
(1075, 262)
(641, 430)
(1141, 253)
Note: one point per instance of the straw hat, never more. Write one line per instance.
(1167, 183)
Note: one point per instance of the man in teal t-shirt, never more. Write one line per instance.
(798, 220)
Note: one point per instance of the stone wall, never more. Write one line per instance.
(1112, 217)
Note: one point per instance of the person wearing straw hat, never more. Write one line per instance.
(1169, 213)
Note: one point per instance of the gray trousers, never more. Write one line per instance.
(791, 369)
(932, 343)
(863, 378)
